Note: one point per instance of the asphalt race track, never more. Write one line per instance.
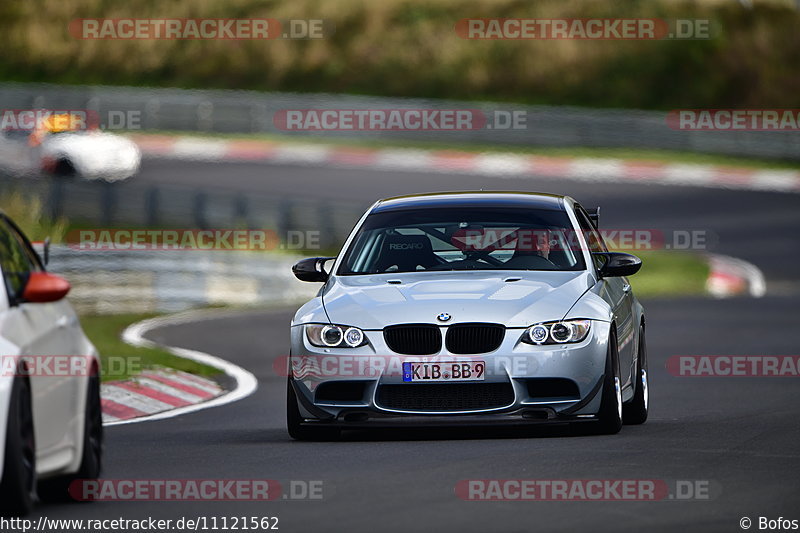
(740, 435)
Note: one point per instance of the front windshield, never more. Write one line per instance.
(481, 238)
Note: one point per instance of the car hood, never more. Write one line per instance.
(512, 298)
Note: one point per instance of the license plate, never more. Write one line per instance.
(441, 371)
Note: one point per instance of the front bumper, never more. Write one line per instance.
(515, 365)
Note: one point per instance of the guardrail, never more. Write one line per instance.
(252, 112)
(167, 281)
(133, 204)
(144, 281)
(150, 281)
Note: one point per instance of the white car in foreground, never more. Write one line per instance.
(78, 152)
(50, 412)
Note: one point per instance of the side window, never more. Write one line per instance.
(16, 260)
(593, 237)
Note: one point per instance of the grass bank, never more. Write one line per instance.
(121, 360)
(669, 274)
(410, 48)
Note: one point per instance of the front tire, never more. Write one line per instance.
(294, 421)
(92, 461)
(64, 168)
(610, 414)
(635, 411)
(18, 486)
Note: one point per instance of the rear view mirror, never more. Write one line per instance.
(43, 287)
(311, 269)
(617, 264)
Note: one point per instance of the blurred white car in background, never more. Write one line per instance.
(66, 148)
(50, 413)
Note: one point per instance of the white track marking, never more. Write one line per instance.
(399, 159)
(130, 399)
(502, 164)
(596, 169)
(197, 382)
(199, 148)
(723, 266)
(166, 389)
(246, 382)
(302, 153)
(776, 180)
(497, 164)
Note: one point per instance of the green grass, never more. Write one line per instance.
(105, 332)
(637, 154)
(28, 212)
(410, 48)
(669, 273)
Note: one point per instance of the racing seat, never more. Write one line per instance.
(406, 252)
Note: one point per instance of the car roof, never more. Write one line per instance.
(529, 200)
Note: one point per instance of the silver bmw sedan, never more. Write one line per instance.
(468, 308)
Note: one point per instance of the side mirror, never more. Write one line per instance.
(310, 269)
(617, 264)
(43, 287)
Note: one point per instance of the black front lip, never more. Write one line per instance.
(370, 417)
(517, 417)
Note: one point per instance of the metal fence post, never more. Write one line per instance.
(151, 201)
(284, 219)
(240, 210)
(109, 197)
(200, 201)
(325, 221)
(55, 199)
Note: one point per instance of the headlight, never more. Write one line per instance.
(565, 332)
(333, 336)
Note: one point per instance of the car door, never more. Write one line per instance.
(617, 292)
(40, 329)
